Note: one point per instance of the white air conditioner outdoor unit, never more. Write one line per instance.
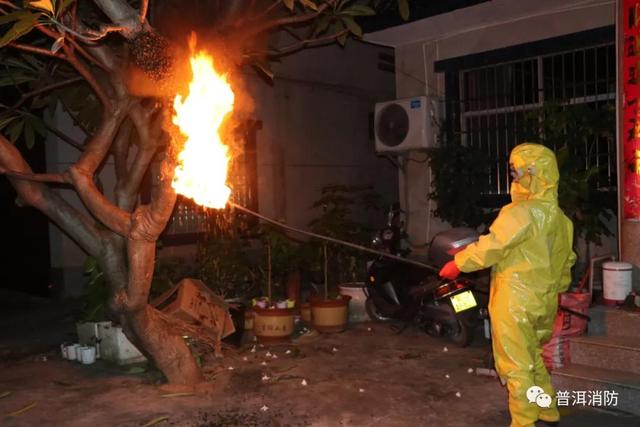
(405, 124)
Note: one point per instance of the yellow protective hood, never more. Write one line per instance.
(538, 171)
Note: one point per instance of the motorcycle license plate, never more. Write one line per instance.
(463, 301)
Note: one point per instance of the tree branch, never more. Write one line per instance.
(77, 46)
(306, 43)
(83, 170)
(91, 35)
(43, 89)
(106, 212)
(98, 146)
(144, 6)
(34, 49)
(77, 225)
(149, 133)
(121, 146)
(124, 16)
(34, 177)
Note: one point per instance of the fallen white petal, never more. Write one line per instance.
(458, 394)
(274, 357)
(264, 363)
(369, 329)
(245, 358)
(445, 349)
(264, 408)
(230, 368)
(470, 370)
(361, 390)
(447, 376)
(253, 349)
(261, 345)
(334, 349)
(265, 378)
(304, 382)
(287, 352)
(268, 354)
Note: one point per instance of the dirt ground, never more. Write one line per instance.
(366, 376)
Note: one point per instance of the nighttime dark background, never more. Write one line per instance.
(25, 256)
(388, 15)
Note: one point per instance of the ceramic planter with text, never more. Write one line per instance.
(330, 314)
(273, 325)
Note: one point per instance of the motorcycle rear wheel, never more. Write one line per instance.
(374, 312)
(463, 336)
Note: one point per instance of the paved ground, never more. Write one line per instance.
(367, 376)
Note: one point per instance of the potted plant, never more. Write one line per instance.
(345, 215)
(329, 313)
(273, 319)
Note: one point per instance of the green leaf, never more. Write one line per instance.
(15, 130)
(29, 134)
(352, 25)
(339, 27)
(403, 8)
(5, 121)
(321, 25)
(358, 10)
(156, 421)
(38, 126)
(136, 370)
(14, 79)
(20, 28)
(14, 16)
(90, 264)
(45, 5)
(342, 39)
(309, 4)
(289, 4)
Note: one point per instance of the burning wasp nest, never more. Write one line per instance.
(150, 52)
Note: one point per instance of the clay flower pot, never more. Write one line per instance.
(330, 315)
(305, 312)
(272, 325)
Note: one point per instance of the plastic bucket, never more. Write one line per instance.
(616, 280)
(357, 310)
(71, 351)
(88, 355)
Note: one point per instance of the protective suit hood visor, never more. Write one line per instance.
(534, 172)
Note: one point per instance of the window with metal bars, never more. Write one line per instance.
(500, 101)
(191, 222)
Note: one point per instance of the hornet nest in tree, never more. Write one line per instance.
(150, 51)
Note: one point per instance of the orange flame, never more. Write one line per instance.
(201, 173)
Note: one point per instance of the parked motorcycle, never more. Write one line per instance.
(416, 295)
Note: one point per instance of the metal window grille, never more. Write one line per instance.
(498, 102)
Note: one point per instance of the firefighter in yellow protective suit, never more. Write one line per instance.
(529, 250)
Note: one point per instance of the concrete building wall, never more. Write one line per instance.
(484, 27)
(66, 257)
(316, 128)
(315, 119)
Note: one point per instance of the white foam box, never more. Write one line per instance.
(116, 347)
